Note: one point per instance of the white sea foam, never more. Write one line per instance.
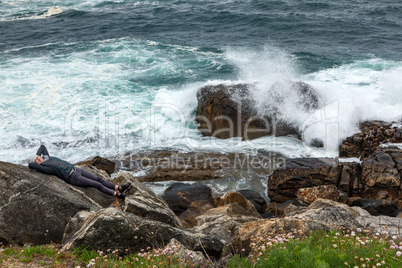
(349, 94)
(97, 102)
(54, 10)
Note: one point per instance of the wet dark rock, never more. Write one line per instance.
(226, 111)
(268, 215)
(180, 195)
(377, 207)
(255, 198)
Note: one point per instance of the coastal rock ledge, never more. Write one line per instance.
(377, 177)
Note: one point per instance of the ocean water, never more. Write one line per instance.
(105, 78)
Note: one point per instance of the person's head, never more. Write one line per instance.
(35, 159)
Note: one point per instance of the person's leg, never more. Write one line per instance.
(78, 180)
(93, 177)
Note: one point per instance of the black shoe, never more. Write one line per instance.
(124, 188)
(120, 196)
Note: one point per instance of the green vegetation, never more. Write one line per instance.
(319, 249)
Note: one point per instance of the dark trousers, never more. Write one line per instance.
(84, 178)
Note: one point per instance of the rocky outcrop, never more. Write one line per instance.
(111, 228)
(320, 215)
(298, 173)
(236, 197)
(372, 135)
(381, 175)
(35, 208)
(309, 195)
(224, 221)
(101, 163)
(180, 195)
(145, 203)
(162, 165)
(226, 111)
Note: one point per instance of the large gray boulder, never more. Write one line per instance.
(111, 228)
(224, 221)
(145, 203)
(35, 208)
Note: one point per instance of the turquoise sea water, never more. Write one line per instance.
(104, 78)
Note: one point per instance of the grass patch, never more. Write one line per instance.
(319, 249)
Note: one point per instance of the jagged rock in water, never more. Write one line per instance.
(226, 111)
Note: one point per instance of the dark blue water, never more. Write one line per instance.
(319, 33)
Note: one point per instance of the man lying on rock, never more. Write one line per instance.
(50, 165)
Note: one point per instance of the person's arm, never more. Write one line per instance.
(42, 169)
(42, 151)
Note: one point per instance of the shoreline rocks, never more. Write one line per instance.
(35, 207)
(297, 173)
(372, 135)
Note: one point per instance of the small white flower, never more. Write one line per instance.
(334, 245)
(398, 253)
(358, 230)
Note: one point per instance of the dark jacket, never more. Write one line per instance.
(53, 165)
